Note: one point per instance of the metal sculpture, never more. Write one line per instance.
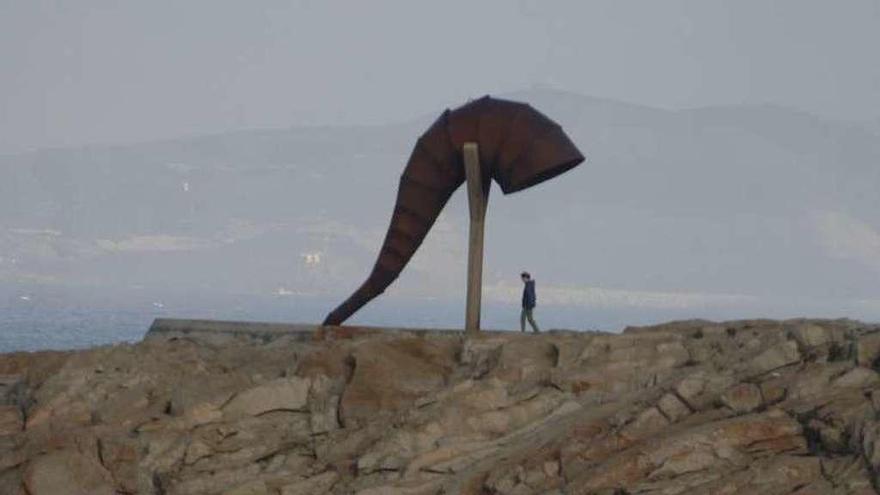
(518, 147)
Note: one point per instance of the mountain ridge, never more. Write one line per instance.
(762, 202)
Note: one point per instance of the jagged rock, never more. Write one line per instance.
(672, 354)
(857, 377)
(523, 360)
(752, 406)
(391, 375)
(700, 389)
(404, 488)
(783, 474)
(780, 355)
(196, 451)
(692, 386)
(503, 421)
(774, 390)
(10, 483)
(715, 444)
(119, 454)
(316, 485)
(282, 394)
(63, 408)
(648, 421)
(10, 420)
(241, 443)
(11, 385)
(481, 355)
(204, 482)
(672, 407)
(196, 401)
(67, 472)
(868, 349)
(809, 335)
(742, 398)
(323, 405)
(11, 454)
(250, 488)
(811, 380)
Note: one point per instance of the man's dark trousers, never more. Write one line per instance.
(528, 305)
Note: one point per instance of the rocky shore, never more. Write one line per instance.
(743, 407)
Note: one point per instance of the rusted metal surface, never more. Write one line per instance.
(519, 147)
(478, 197)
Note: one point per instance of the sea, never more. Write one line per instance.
(31, 325)
(33, 320)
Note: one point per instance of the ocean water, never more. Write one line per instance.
(32, 327)
(34, 322)
(31, 320)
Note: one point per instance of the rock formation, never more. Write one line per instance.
(744, 407)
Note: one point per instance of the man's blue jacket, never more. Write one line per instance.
(529, 299)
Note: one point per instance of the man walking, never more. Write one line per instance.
(528, 303)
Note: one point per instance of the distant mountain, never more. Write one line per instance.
(755, 201)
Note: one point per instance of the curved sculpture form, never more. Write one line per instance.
(518, 146)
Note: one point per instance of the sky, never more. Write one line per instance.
(110, 71)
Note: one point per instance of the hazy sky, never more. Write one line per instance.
(77, 72)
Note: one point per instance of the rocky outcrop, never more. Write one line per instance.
(757, 407)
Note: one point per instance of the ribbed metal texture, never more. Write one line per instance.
(519, 147)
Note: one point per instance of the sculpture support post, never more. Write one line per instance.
(477, 199)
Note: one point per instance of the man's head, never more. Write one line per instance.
(525, 276)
